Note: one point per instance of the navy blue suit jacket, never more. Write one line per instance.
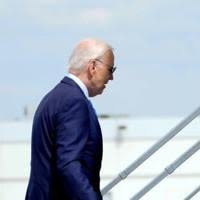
(66, 150)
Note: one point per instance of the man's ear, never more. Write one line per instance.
(91, 68)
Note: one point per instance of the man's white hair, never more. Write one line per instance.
(86, 50)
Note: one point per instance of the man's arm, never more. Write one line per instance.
(71, 136)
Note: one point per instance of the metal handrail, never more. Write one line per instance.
(193, 193)
(151, 151)
(168, 170)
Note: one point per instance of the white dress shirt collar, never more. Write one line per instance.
(79, 83)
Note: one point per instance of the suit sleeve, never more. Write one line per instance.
(72, 132)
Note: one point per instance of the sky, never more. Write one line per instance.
(157, 45)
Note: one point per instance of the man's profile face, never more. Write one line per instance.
(103, 74)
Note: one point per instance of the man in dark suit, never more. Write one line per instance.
(66, 137)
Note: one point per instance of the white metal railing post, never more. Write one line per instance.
(168, 170)
(151, 151)
(193, 193)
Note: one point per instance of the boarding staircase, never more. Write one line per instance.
(168, 170)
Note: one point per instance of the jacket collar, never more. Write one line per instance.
(72, 81)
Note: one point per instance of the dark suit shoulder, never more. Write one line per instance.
(63, 95)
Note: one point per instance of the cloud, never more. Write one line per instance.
(60, 12)
(54, 12)
(160, 15)
(94, 16)
(97, 15)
